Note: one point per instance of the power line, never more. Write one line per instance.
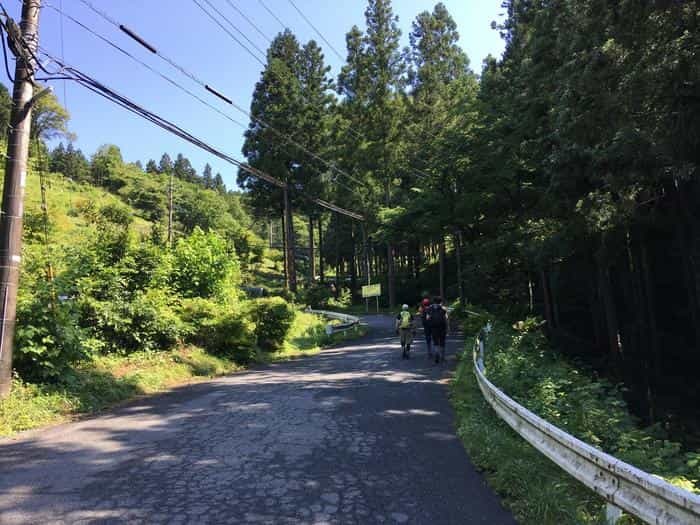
(317, 31)
(97, 87)
(203, 84)
(247, 19)
(272, 13)
(168, 79)
(144, 64)
(217, 22)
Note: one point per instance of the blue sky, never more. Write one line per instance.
(180, 30)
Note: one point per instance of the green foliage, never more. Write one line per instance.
(520, 362)
(273, 318)
(317, 296)
(47, 342)
(343, 300)
(205, 266)
(224, 330)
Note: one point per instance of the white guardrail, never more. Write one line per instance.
(624, 487)
(347, 321)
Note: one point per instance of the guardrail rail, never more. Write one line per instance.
(623, 486)
(347, 321)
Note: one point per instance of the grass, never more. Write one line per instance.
(535, 490)
(103, 382)
(108, 380)
(308, 336)
(520, 361)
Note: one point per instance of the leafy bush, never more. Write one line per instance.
(521, 363)
(47, 341)
(204, 266)
(343, 301)
(318, 295)
(220, 329)
(273, 318)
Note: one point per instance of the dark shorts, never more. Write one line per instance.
(428, 332)
(439, 335)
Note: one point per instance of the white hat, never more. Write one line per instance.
(404, 307)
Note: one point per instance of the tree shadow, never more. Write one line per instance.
(355, 434)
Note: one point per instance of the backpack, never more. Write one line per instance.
(437, 316)
(405, 319)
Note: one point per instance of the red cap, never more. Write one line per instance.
(426, 302)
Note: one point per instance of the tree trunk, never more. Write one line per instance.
(460, 275)
(653, 329)
(546, 298)
(611, 321)
(291, 244)
(389, 253)
(353, 263)
(320, 251)
(441, 264)
(312, 253)
(285, 253)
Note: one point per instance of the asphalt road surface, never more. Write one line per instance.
(354, 435)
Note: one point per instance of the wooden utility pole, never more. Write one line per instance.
(170, 210)
(290, 244)
(13, 189)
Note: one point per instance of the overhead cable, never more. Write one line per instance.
(317, 31)
(97, 87)
(282, 136)
(218, 22)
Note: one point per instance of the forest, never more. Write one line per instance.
(559, 180)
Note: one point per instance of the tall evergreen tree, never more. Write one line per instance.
(166, 164)
(151, 166)
(207, 178)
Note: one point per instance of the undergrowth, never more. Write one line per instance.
(105, 380)
(520, 362)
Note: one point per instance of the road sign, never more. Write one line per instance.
(371, 290)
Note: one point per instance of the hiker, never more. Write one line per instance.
(424, 307)
(405, 328)
(438, 320)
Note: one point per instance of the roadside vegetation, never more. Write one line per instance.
(110, 307)
(521, 362)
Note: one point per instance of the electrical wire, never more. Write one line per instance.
(247, 19)
(163, 76)
(4, 54)
(63, 55)
(272, 13)
(217, 22)
(145, 65)
(317, 31)
(203, 84)
(98, 88)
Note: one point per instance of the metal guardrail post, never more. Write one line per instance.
(612, 514)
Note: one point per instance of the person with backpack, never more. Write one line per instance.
(438, 319)
(424, 307)
(405, 328)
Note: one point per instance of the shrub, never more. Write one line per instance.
(273, 318)
(47, 341)
(343, 301)
(204, 266)
(221, 330)
(520, 362)
(318, 295)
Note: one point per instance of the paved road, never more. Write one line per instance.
(354, 435)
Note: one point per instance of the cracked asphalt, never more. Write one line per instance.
(353, 435)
